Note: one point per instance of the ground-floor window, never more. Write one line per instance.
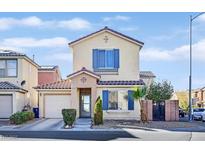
(113, 100)
(117, 100)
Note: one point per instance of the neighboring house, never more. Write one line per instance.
(106, 64)
(48, 74)
(199, 96)
(18, 76)
(147, 77)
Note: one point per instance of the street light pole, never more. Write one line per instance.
(190, 72)
(190, 66)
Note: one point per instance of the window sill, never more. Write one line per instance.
(106, 71)
(118, 111)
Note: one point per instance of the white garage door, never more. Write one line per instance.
(54, 105)
(5, 106)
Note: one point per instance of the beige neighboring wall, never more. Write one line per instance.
(148, 81)
(129, 55)
(28, 72)
(30, 75)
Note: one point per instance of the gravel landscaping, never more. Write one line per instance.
(151, 124)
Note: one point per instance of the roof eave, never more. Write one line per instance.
(14, 90)
(108, 30)
(65, 89)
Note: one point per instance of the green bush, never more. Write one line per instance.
(21, 117)
(69, 116)
(98, 112)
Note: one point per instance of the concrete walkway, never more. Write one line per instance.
(82, 124)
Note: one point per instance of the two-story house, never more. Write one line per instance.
(18, 76)
(106, 64)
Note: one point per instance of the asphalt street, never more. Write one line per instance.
(52, 129)
(124, 135)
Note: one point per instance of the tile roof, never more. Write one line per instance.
(63, 84)
(147, 74)
(48, 67)
(11, 53)
(108, 29)
(132, 82)
(84, 70)
(10, 86)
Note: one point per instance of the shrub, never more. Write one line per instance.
(69, 116)
(21, 117)
(160, 91)
(98, 112)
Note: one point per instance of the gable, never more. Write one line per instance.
(105, 40)
(107, 31)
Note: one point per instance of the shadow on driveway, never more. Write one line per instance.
(71, 135)
(135, 127)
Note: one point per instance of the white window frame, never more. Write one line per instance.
(6, 68)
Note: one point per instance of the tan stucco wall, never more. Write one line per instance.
(30, 75)
(20, 101)
(76, 84)
(28, 72)
(129, 55)
(124, 113)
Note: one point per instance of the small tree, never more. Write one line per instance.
(160, 91)
(139, 94)
(98, 112)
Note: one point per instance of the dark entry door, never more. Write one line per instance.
(159, 111)
(85, 103)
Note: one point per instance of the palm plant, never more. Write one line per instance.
(138, 94)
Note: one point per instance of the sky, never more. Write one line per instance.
(166, 38)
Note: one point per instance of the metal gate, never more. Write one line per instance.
(158, 111)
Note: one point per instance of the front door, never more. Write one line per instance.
(85, 103)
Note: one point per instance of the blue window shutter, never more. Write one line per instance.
(95, 58)
(110, 58)
(130, 100)
(105, 99)
(101, 58)
(116, 58)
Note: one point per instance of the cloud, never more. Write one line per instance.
(179, 53)
(117, 18)
(74, 24)
(21, 42)
(63, 56)
(173, 34)
(33, 21)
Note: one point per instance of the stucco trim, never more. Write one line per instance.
(85, 71)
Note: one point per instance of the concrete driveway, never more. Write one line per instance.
(45, 125)
(35, 125)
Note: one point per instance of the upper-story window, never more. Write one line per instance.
(105, 59)
(8, 68)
